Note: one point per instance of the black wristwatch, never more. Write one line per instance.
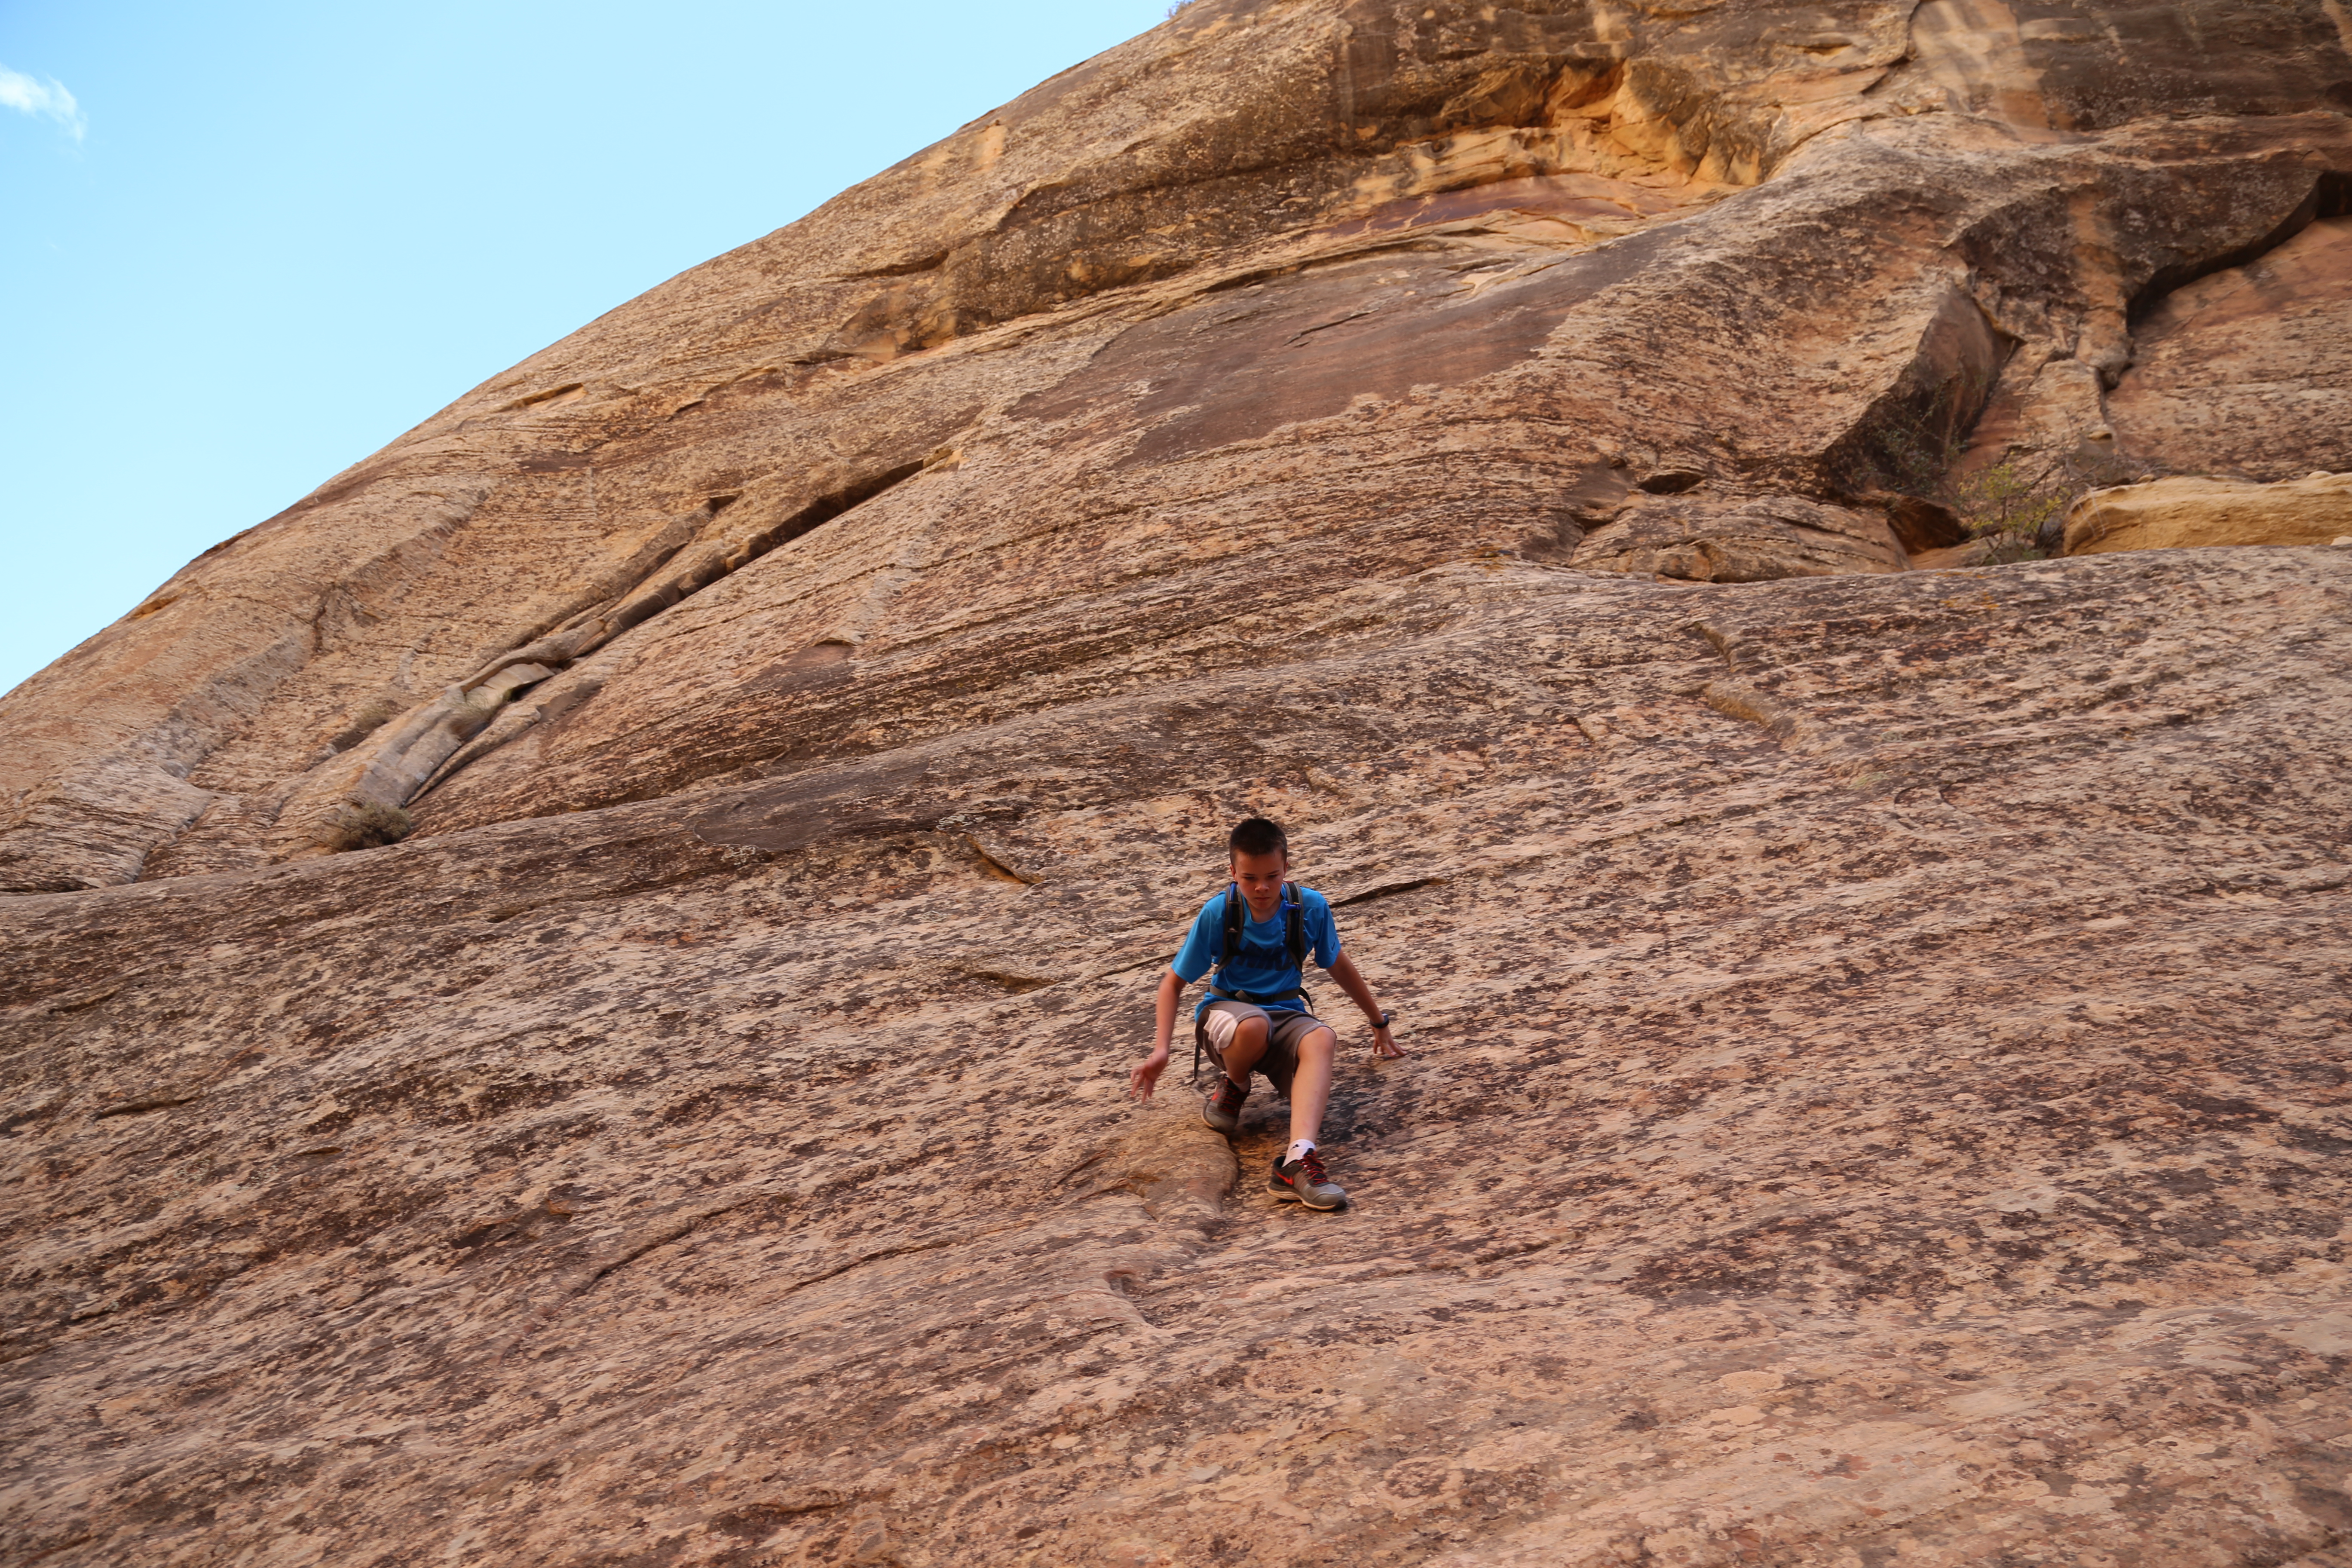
(1384, 1022)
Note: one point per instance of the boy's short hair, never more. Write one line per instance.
(1257, 836)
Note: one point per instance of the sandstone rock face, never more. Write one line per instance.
(1341, 288)
(1879, 1091)
(2249, 372)
(2171, 514)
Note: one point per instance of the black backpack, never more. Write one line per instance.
(1294, 936)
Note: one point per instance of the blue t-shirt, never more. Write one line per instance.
(1264, 961)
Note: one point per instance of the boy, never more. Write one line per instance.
(1254, 1017)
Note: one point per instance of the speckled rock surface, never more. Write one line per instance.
(1880, 1091)
(1880, 1087)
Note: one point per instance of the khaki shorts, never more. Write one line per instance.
(1284, 1031)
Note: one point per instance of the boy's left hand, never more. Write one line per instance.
(1384, 1044)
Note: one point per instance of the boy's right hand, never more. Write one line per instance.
(1146, 1076)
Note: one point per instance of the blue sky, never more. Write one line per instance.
(246, 245)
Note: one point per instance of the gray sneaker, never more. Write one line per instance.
(1304, 1182)
(1223, 1110)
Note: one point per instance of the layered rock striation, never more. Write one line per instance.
(568, 993)
(1666, 291)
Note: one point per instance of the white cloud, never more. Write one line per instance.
(33, 96)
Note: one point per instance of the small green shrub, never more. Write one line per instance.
(2018, 504)
(2010, 506)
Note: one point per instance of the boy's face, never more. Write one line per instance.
(1260, 879)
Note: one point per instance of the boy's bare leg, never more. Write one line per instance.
(1310, 1087)
(1242, 1051)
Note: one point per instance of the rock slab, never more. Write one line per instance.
(2183, 513)
(1878, 1089)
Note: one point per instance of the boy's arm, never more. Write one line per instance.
(1147, 1072)
(1343, 970)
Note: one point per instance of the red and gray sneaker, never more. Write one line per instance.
(1302, 1181)
(1223, 1110)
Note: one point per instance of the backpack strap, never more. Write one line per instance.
(1226, 948)
(1294, 937)
(1229, 947)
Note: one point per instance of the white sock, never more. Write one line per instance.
(1299, 1150)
